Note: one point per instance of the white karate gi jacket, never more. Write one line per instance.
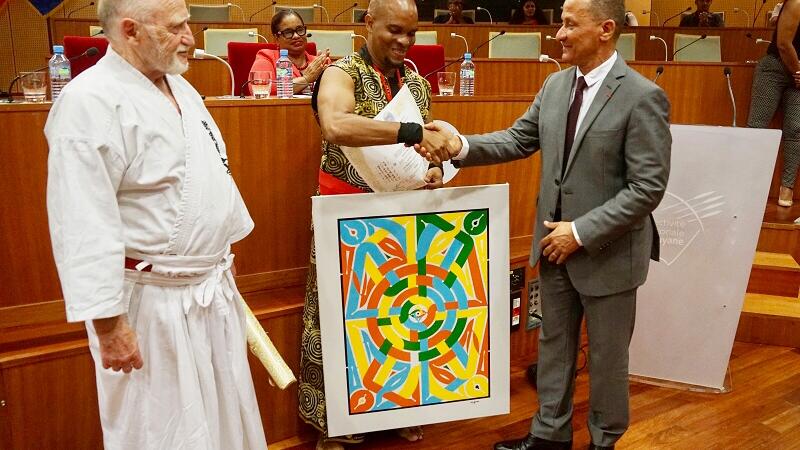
(129, 175)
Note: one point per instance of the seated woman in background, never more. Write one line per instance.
(702, 17)
(290, 33)
(528, 14)
(455, 14)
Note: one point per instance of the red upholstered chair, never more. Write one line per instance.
(241, 56)
(75, 45)
(427, 58)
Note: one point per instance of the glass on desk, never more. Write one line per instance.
(33, 86)
(447, 82)
(260, 83)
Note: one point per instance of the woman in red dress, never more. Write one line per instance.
(290, 33)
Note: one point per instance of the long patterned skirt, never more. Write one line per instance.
(311, 385)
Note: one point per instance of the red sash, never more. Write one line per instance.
(330, 185)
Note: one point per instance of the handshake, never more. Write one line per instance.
(438, 145)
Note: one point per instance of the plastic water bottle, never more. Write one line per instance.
(467, 82)
(283, 75)
(60, 71)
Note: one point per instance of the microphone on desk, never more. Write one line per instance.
(738, 10)
(727, 72)
(546, 58)
(666, 51)
(690, 43)
(317, 5)
(485, 43)
(69, 14)
(491, 20)
(91, 51)
(688, 8)
(653, 13)
(274, 2)
(344, 11)
(755, 17)
(355, 36)
(260, 36)
(241, 11)
(98, 33)
(200, 53)
(757, 40)
(659, 71)
(466, 44)
(199, 31)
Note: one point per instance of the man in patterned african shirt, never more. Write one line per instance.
(349, 95)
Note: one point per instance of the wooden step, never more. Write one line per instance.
(770, 319)
(771, 305)
(774, 274)
(779, 234)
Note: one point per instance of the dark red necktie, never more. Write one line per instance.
(572, 121)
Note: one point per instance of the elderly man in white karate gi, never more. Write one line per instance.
(143, 211)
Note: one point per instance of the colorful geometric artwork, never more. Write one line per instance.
(415, 300)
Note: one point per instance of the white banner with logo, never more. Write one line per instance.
(709, 222)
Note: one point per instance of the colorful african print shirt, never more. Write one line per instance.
(370, 100)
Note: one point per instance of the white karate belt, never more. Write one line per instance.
(204, 273)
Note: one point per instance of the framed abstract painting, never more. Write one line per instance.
(413, 292)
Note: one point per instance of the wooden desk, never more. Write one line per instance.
(686, 84)
(736, 47)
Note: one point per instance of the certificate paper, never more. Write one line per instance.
(393, 167)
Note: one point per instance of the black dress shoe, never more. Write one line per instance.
(532, 442)
(597, 447)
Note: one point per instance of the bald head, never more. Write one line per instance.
(111, 12)
(381, 8)
(391, 30)
(152, 35)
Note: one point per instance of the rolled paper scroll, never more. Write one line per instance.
(260, 344)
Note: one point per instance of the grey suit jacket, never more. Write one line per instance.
(616, 174)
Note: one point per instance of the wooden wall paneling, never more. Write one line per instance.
(30, 44)
(667, 8)
(687, 85)
(7, 68)
(52, 402)
(278, 407)
(35, 45)
(764, 329)
(209, 76)
(28, 273)
(5, 413)
(523, 176)
(510, 76)
(698, 92)
(59, 27)
(274, 149)
(736, 47)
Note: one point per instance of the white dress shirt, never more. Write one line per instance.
(593, 82)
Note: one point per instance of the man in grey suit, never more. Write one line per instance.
(603, 130)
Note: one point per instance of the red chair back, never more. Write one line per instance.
(75, 45)
(427, 58)
(241, 56)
